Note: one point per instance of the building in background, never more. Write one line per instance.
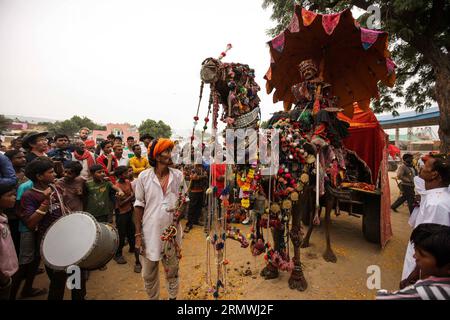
(123, 130)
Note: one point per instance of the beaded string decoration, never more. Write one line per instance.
(196, 114)
(171, 252)
(232, 85)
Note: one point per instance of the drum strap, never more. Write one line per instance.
(64, 209)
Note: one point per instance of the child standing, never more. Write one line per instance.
(124, 217)
(73, 186)
(8, 256)
(107, 160)
(432, 253)
(98, 201)
(40, 207)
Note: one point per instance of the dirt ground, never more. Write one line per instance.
(345, 279)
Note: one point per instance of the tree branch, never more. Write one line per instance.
(437, 12)
(411, 73)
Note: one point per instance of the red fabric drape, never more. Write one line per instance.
(368, 140)
(368, 146)
(385, 210)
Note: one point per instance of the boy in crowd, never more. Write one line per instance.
(138, 162)
(28, 252)
(84, 157)
(128, 150)
(16, 144)
(124, 217)
(37, 213)
(61, 152)
(99, 201)
(73, 186)
(18, 162)
(107, 160)
(109, 138)
(8, 257)
(198, 183)
(432, 253)
(117, 140)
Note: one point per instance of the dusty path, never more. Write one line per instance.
(344, 280)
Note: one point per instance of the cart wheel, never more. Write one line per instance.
(371, 222)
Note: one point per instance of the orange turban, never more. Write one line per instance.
(161, 146)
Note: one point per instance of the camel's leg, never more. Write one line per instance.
(306, 207)
(329, 255)
(297, 279)
(270, 271)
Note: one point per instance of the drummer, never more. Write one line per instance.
(39, 208)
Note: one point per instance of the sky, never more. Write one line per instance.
(123, 61)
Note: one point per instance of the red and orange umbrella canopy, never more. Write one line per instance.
(353, 59)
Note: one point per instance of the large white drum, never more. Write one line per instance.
(78, 239)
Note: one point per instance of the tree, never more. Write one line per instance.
(86, 122)
(420, 40)
(155, 129)
(71, 126)
(4, 122)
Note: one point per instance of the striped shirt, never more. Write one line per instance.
(431, 288)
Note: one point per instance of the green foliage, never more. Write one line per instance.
(4, 122)
(71, 126)
(419, 41)
(155, 129)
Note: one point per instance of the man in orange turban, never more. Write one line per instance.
(160, 147)
(156, 192)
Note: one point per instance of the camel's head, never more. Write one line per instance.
(210, 72)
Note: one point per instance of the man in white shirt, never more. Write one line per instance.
(434, 208)
(121, 158)
(156, 195)
(128, 150)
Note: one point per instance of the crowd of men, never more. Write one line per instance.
(135, 185)
(101, 179)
